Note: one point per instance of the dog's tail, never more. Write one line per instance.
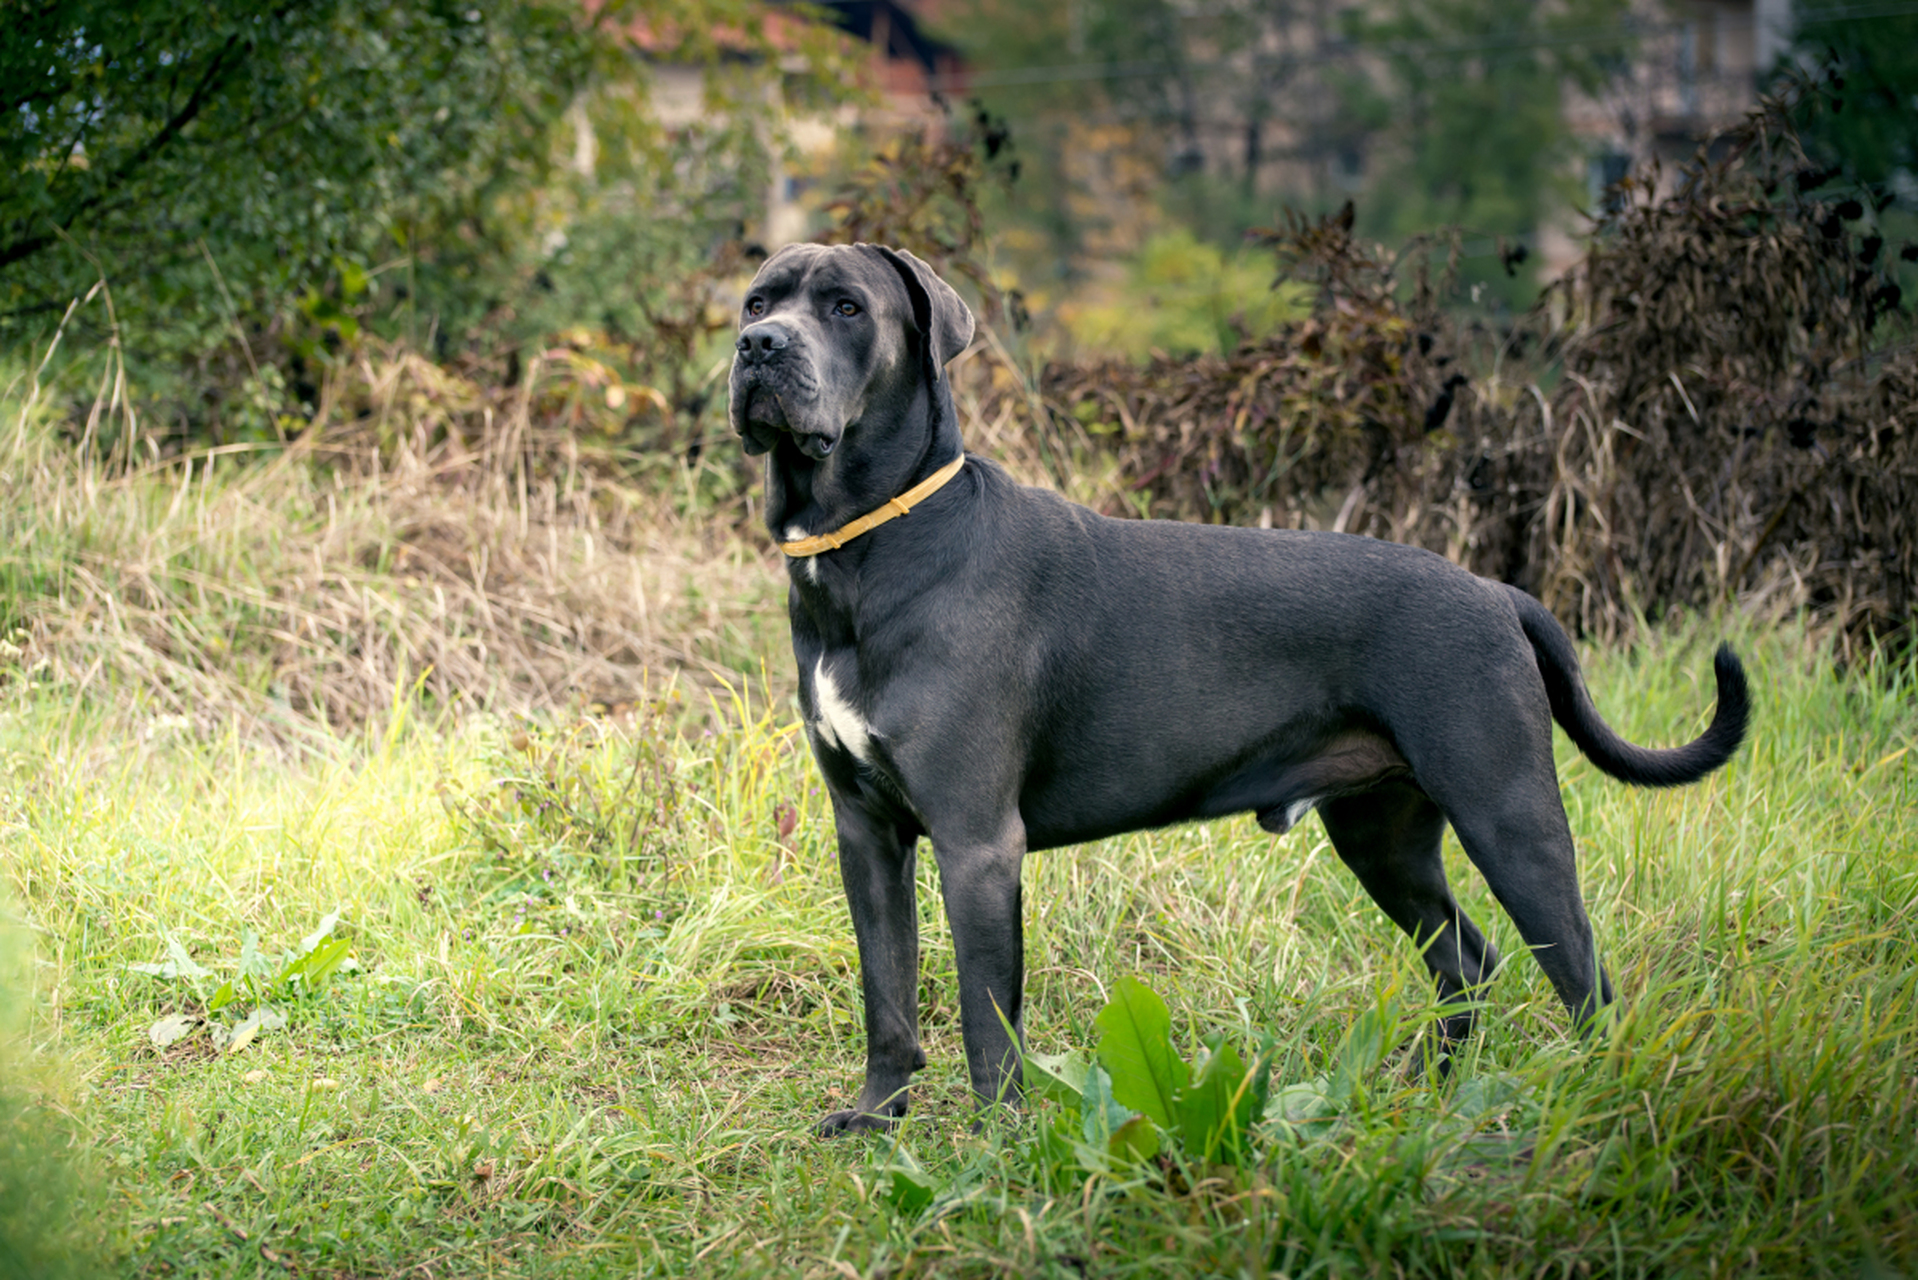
(1644, 766)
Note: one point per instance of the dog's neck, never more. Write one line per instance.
(806, 497)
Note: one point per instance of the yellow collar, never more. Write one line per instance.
(899, 506)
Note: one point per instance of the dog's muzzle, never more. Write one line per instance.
(763, 399)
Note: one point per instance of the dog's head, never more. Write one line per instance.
(830, 334)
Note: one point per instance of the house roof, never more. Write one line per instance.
(909, 61)
(894, 32)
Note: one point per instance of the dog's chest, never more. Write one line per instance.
(836, 718)
(807, 567)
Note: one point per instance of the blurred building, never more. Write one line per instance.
(1697, 69)
(910, 74)
(1265, 91)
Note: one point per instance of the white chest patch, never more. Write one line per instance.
(838, 723)
(810, 565)
(1296, 811)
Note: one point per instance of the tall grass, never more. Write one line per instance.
(602, 979)
(293, 586)
(600, 997)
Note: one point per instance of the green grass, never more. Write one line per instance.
(598, 1001)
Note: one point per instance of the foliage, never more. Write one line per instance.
(1472, 131)
(1183, 296)
(1868, 125)
(1714, 405)
(262, 994)
(135, 132)
(1140, 1098)
(260, 183)
(921, 191)
(1138, 112)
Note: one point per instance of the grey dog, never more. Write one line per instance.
(1003, 671)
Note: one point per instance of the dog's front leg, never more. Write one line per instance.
(876, 863)
(980, 880)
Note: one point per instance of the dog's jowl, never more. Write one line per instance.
(997, 669)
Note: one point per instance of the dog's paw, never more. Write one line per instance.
(839, 1122)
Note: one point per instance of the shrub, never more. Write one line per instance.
(1717, 403)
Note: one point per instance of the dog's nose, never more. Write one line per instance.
(758, 343)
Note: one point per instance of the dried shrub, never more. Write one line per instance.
(1328, 412)
(919, 191)
(1736, 415)
(1716, 404)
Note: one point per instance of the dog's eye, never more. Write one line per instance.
(847, 308)
(755, 306)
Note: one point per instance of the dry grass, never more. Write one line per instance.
(488, 558)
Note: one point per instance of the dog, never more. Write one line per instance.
(1001, 670)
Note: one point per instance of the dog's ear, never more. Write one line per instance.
(940, 314)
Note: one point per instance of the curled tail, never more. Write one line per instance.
(1644, 766)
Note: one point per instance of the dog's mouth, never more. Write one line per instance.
(763, 419)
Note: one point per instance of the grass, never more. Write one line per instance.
(289, 588)
(602, 980)
(598, 1000)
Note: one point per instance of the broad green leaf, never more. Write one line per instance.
(1100, 1115)
(252, 963)
(1061, 1076)
(182, 961)
(1217, 1111)
(311, 968)
(1134, 1142)
(1302, 1104)
(905, 1183)
(221, 998)
(172, 1029)
(1207, 1101)
(319, 935)
(908, 1190)
(324, 960)
(1484, 1095)
(1135, 1046)
(178, 964)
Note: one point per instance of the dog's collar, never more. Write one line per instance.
(899, 506)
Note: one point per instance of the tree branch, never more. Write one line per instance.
(222, 65)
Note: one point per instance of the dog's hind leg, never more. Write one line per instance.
(1390, 837)
(1522, 845)
(1486, 759)
(1493, 775)
(876, 862)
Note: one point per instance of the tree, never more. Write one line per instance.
(1869, 124)
(1470, 107)
(192, 151)
(1431, 113)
